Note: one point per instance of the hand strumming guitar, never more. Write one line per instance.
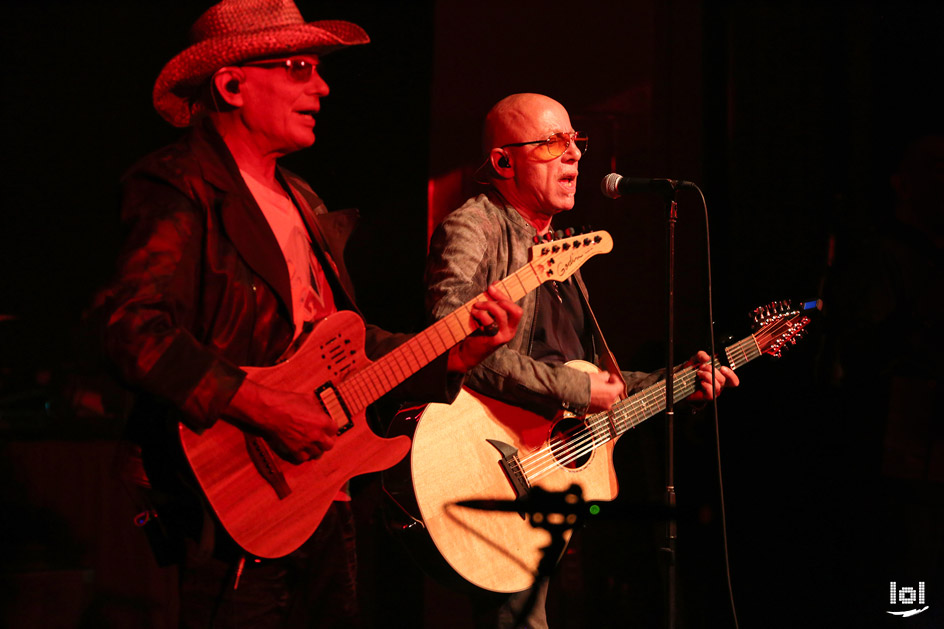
(298, 428)
(295, 424)
(606, 389)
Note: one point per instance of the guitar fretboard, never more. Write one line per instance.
(371, 383)
(601, 428)
(650, 401)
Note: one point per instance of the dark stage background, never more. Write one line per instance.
(791, 116)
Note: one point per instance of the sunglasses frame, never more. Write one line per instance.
(571, 138)
(291, 65)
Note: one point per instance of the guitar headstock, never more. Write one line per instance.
(779, 325)
(559, 259)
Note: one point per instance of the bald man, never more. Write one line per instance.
(532, 153)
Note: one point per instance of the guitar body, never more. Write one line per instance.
(452, 460)
(246, 503)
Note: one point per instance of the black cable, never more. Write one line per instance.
(714, 404)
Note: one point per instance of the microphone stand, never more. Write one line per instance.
(668, 191)
(558, 512)
(613, 186)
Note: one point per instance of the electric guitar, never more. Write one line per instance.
(270, 506)
(480, 448)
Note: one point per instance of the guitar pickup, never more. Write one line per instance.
(335, 407)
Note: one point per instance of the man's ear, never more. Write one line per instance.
(226, 83)
(501, 163)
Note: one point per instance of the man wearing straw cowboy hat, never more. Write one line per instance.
(228, 259)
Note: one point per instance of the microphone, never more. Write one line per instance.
(570, 503)
(614, 186)
(537, 500)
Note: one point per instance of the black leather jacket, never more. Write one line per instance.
(202, 286)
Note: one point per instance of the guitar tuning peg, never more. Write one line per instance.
(569, 232)
(536, 240)
(548, 237)
(558, 234)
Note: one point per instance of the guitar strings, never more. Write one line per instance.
(378, 378)
(574, 449)
(565, 449)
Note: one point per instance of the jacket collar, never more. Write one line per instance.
(243, 220)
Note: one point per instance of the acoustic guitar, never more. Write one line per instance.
(479, 448)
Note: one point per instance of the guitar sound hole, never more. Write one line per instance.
(572, 443)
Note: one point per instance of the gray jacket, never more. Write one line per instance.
(478, 244)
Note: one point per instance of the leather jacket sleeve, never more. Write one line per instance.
(150, 309)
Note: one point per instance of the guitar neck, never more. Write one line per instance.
(649, 402)
(370, 384)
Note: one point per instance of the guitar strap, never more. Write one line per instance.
(606, 356)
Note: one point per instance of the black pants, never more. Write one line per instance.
(493, 611)
(312, 587)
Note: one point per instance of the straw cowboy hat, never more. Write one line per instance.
(239, 30)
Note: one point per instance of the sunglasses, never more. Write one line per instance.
(557, 143)
(299, 70)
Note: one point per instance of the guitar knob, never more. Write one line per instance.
(598, 238)
(586, 242)
(565, 246)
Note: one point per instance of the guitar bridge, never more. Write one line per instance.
(512, 467)
(335, 407)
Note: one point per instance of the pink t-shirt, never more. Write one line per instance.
(312, 298)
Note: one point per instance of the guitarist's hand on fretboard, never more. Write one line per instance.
(497, 318)
(294, 424)
(724, 378)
